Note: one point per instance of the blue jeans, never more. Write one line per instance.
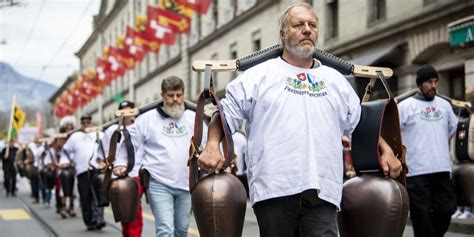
(45, 192)
(171, 208)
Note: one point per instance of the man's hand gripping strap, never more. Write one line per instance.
(194, 149)
(378, 118)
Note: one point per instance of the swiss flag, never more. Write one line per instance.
(142, 40)
(132, 47)
(301, 76)
(102, 70)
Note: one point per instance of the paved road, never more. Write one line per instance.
(20, 217)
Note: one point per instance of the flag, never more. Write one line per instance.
(116, 67)
(90, 82)
(183, 8)
(200, 6)
(133, 45)
(87, 86)
(159, 33)
(170, 19)
(39, 123)
(124, 60)
(124, 54)
(18, 122)
(102, 70)
(61, 108)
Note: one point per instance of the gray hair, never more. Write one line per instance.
(172, 83)
(283, 20)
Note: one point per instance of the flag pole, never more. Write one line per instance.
(10, 127)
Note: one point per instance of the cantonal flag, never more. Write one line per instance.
(201, 6)
(170, 19)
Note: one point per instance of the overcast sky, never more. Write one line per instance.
(38, 38)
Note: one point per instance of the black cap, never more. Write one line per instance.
(425, 73)
(126, 104)
(86, 117)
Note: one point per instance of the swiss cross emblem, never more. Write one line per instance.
(301, 77)
(461, 135)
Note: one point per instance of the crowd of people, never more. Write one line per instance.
(288, 153)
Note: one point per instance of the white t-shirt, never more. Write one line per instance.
(165, 143)
(296, 117)
(81, 147)
(426, 128)
(36, 150)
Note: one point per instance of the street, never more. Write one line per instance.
(20, 217)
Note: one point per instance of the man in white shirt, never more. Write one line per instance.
(297, 110)
(427, 122)
(81, 147)
(135, 227)
(36, 149)
(163, 135)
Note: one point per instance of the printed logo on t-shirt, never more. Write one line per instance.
(174, 130)
(431, 114)
(305, 84)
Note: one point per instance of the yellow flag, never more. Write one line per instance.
(18, 119)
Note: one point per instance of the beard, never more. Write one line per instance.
(429, 95)
(298, 51)
(174, 110)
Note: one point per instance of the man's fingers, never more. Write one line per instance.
(385, 167)
(396, 169)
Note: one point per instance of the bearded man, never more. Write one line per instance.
(297, 110)
(427, 122)
(163, 137)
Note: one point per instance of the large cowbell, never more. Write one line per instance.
(67, 181)
(100, 192)
(373, 205)
(218, 200)
(123, 191)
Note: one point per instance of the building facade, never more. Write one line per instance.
(401, 34)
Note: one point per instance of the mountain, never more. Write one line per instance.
(30, 93)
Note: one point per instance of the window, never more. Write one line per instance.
(256, 42)
(234, 7)
(456, 84)
(215, 13)
(378, 10)
(332, 19)
(199, 26)
(139, 6)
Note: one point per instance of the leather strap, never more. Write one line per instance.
(114, 140)
(378, 118)
(208, 93)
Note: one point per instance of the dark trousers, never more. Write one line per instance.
(432, 202)
(298, 215)
(9, 177)
(91, 213)
(35, 187)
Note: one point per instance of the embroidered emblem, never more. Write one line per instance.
(305, 84)
(174, 130)
(431, 114)
(461, 134)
